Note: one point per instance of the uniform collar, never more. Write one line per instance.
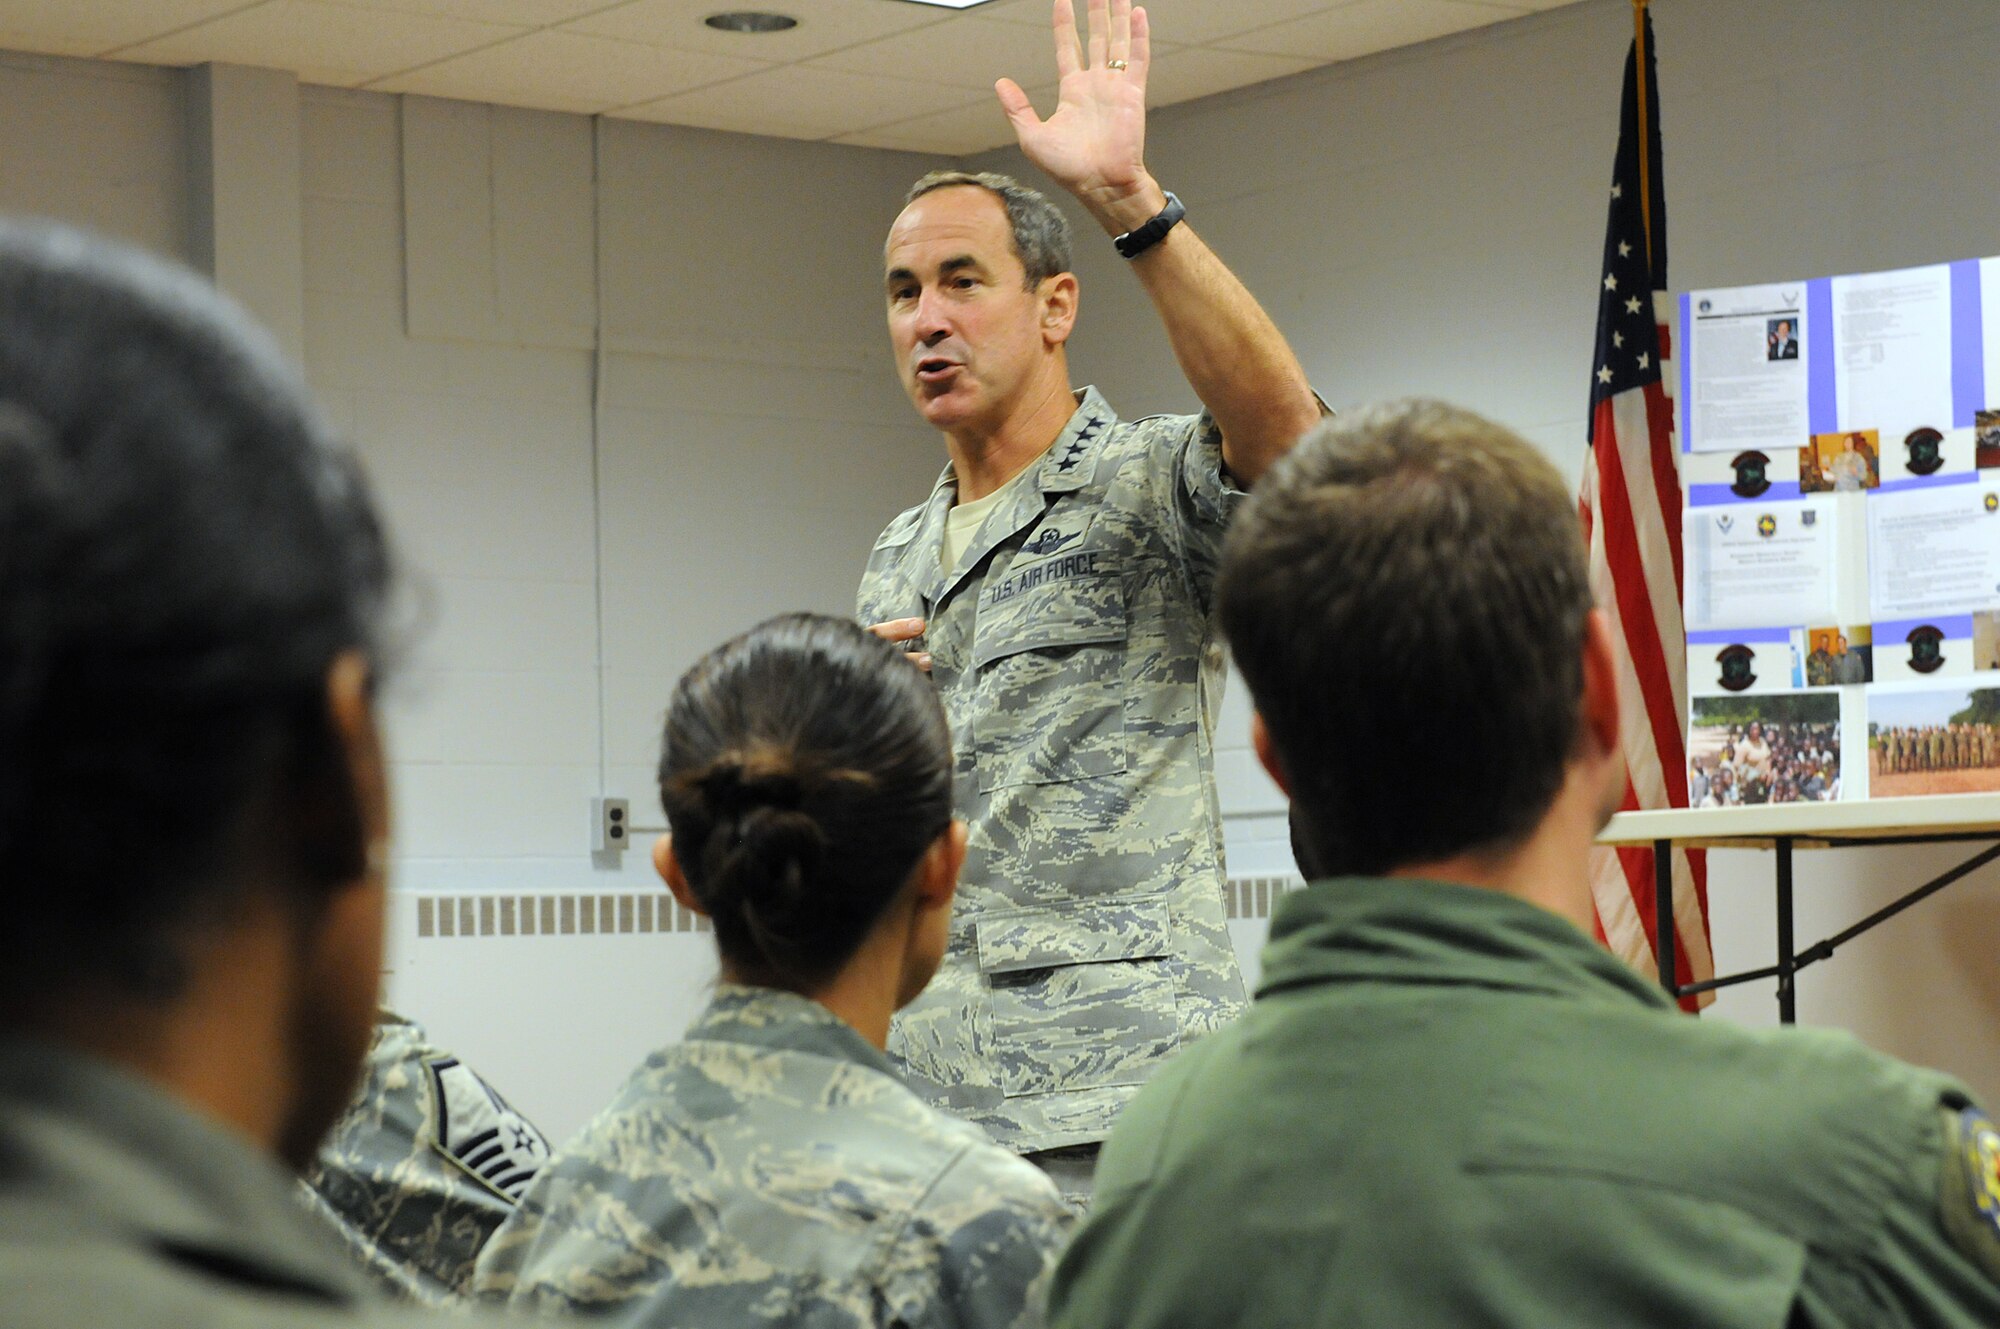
(784, 1022)
(118, 1153)
(1363, 929)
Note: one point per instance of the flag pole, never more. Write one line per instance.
(1645, 130)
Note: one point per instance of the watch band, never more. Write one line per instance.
(1136, 242)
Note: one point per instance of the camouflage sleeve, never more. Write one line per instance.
(424, 1165)
(980, 1250)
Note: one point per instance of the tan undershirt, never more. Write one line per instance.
(962, 523)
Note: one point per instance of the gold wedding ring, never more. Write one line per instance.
(1114, 64)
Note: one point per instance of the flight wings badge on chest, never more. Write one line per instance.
(479, 1132)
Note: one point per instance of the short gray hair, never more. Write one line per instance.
(1041, 232)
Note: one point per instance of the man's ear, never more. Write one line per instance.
(669, 867)
(1059, 295)
(1600, 686)
(1267, 753)
(350, 709)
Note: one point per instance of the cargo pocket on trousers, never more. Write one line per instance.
(1082, 997)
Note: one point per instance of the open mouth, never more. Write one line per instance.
(935, 369)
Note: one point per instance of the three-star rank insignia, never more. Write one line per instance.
(1767, 526)
(1926, 449)
(1736, 662)
(1752, 474)
(1972, 1186)
(1926, 649)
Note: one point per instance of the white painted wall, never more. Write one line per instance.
(1427, 220)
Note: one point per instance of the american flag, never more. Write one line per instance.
(1631, 505)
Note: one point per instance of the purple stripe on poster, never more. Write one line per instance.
(1822, 403)
(1968, 344)
(1740, 636)
(1925, 482)
(1708, 496)
(1953, 626)
(1684, 352)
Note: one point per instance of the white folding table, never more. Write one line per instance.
(1787, 826)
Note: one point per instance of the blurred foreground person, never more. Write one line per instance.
(772, 1168)
(424, 1165)
(1448, 1105)
(192, 814)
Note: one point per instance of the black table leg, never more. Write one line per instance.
(1788, 966)
(1663, 914)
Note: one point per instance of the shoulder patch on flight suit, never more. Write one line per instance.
(478, 1131)
(1971, 1194)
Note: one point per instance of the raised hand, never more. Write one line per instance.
(1094, 145)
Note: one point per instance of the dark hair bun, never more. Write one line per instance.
(805, 769)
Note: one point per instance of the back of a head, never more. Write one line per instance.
(182, 557)
(805, 770)
(1406, 595)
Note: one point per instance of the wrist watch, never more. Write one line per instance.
(1136, 242)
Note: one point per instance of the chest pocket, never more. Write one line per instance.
(1048, 655)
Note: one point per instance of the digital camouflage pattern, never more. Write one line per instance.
(1078, 658)
(422, 1168)
(771, 1169)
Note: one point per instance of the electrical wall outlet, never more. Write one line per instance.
(610, 824)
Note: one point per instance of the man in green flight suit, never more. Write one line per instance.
(1448, 1105)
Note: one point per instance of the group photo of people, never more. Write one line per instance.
(1764, 749)
(1934, 741)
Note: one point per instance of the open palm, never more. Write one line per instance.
(1094, 144)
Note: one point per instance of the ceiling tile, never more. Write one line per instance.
(824, 25)
(1182, 22)
(1198, 71)
(323, 41)
(795, 101)
(100, 25)
(1363, 27)
(529, 13)
(959, 132)
(970, 53)
(569, 71)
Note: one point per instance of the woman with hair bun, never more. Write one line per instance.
(773, 1168)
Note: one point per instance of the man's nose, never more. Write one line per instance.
(932, 326)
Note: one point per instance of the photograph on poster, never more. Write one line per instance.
(1846, 463)
(1986, 639)
(1747, 368)
(1780, 339)
(1764, 749)
(1986, 435)
(1934, 741)
(1834, 656)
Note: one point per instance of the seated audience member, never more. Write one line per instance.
(425, 1163)
(1448, 1105)
(772, 1169)
(192, 808)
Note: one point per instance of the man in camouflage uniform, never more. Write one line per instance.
(424, 1165)
(1056, 583)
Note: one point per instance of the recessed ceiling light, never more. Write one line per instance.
(751, 21)
(950, 4)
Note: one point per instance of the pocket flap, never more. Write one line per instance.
(1077, 611)
(1080, 934)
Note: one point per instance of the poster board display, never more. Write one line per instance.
(1840, 456)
